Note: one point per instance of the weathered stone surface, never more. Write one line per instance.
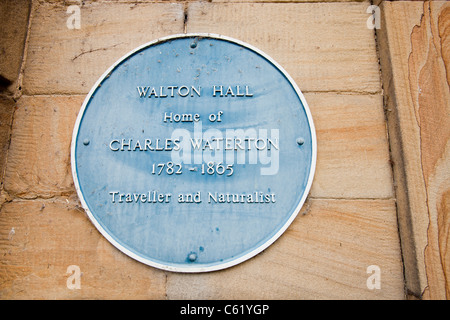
(350, 221)
(415, 60)
(6, 112)
(13, 29)
(63, 60)
(352, 147)
(323, 46)
(323, 255)
(41, 239)
(39, 154)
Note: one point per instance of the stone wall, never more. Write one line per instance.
(349, 223)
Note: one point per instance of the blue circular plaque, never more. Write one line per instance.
(193, 153)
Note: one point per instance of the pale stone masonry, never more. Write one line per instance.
(348, 223)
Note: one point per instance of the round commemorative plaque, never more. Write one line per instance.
(193, 152)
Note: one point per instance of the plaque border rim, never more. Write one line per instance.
(193, 268)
